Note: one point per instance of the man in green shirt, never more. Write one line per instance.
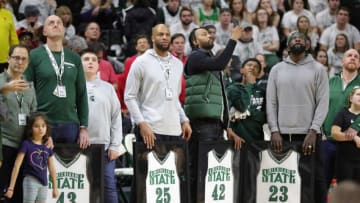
(340, 87)
(60, 86)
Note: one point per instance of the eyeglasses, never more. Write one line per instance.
(19, 58)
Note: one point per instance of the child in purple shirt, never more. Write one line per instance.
(37, 159)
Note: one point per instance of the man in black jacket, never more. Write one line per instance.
(207, 108)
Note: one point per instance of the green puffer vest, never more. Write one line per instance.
(203, 96)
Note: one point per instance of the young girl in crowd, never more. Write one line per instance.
(322, 57)
(238, 12)
(268, 37)
(65, 14)
(348, 152)
(336, 53)
(303, 26)
(274, 17)
(38, 158)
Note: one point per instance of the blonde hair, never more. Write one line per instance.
(352, 94)
(62, 10)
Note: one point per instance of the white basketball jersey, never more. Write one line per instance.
(278, 180)
(73, 183)
(162, 181)
(219, 180)
(169, 19)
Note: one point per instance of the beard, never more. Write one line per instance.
(186, 22)
(297, 48)
(162, 47)
(208, 46)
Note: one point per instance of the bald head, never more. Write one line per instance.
(161, 38)
(351, 60)
(53, 27)
(159, 27)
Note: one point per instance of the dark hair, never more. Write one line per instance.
(12, 48)
(175, 36)
(30, 122)
(306, 4)
(256, 22)
(347, 43)
(141, 3)
(87, 50)
(208, 27)
(225, 10)
(272, 16)
(254, 60)
(298, 21)
(327, 57)
(343, 8)
(92, 22)
(232, 10)
(185, 8)
(192, 38)
(96, 47)
(141, 36)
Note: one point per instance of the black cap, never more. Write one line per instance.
(209, 26)
(30, 11)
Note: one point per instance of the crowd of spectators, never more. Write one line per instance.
(320, 20)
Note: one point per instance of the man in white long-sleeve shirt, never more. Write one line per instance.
(152, 91)
(105, 126)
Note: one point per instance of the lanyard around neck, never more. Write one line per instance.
(59, 71)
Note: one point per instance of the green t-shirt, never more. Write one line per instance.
(74, 107)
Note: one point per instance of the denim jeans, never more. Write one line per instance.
(110, 191)
(65, 133)
(329, 156)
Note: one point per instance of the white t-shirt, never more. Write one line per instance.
(247, 50)
(222, 36)
(178, 28)
(251, 5)
(328, 37)
(334, 60)
(268, 35)
(290, 18)
(324, 19)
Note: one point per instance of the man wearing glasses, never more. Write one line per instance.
(20, 100)
(340, 87)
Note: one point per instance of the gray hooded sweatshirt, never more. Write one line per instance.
(297, 97)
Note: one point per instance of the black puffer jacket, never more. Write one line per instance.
(138, 20)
